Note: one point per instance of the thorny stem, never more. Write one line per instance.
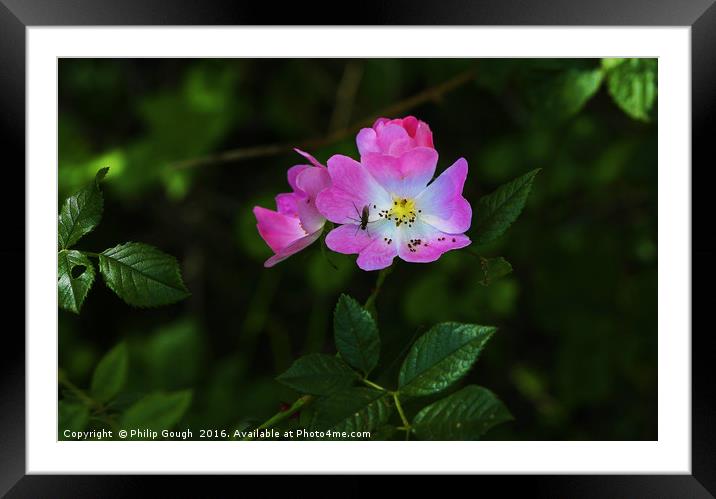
(283, 415)
(433, 93)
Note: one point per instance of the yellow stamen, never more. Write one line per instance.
(402, 212)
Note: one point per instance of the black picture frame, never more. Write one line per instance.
(17, 15)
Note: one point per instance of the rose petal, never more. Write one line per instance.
(404, 176)
(377, 255)
(348, 239)
(367, 141)
(390, 133)
(442, 203)
(293, 173)
(313, 180)
(400, 147)
(286, 203)
(410, 123)
(423, 243)
(292, 248)
(277, 229)
(423, 136)
(309, 157)
(352, 188)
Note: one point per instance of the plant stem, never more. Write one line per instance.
(370, 302)
(373, 385)
(98, 408)
(77, 392)
(283, 415)
(90, 253)
(406, 424)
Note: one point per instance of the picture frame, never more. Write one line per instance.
(17, 15)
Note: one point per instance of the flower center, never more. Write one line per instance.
(402, 211)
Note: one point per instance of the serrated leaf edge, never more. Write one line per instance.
(93, 276)
(348, 298)
(527, 181)
(446, 359)
(99, 176)
(187, 293)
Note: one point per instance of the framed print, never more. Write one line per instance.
(429, 243)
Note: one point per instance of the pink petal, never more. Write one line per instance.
(423, 243)
(389, 134)
(377, 244)
(277, 229)
(405, 176)
(311, 219)
(399, 147)
(378, 255)
(384, 169)
(367, 141)
(348, 239)
(293, 173)
(310, 158)
(442, 203)
(410, 123)
(292, 248)
(352, 188)
(423, 136)
(417, 168)
(286, 204)
(311, 181)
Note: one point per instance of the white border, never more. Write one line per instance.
(670, 454)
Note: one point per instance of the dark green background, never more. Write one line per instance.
(575, 354)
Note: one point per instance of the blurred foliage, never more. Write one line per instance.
(575, 356)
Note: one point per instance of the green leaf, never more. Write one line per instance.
(156, 411)
(564, 95)
(494, 268)
(632, 83)
(356, 334)
(441, 356)
(465, 415)
(318, 374)
(110, 375)
(142, 275)
(81, 212)
(498, 210)
(75, 275)
(352, 409)
(72, 416)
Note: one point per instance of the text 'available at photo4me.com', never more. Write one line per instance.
(213, 434)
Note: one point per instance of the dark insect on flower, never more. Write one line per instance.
(363, 215)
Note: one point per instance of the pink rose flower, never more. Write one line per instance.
(296, 223)
(407, 216)
(394, 137)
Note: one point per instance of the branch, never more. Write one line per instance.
(283, 415)
(430, 94)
